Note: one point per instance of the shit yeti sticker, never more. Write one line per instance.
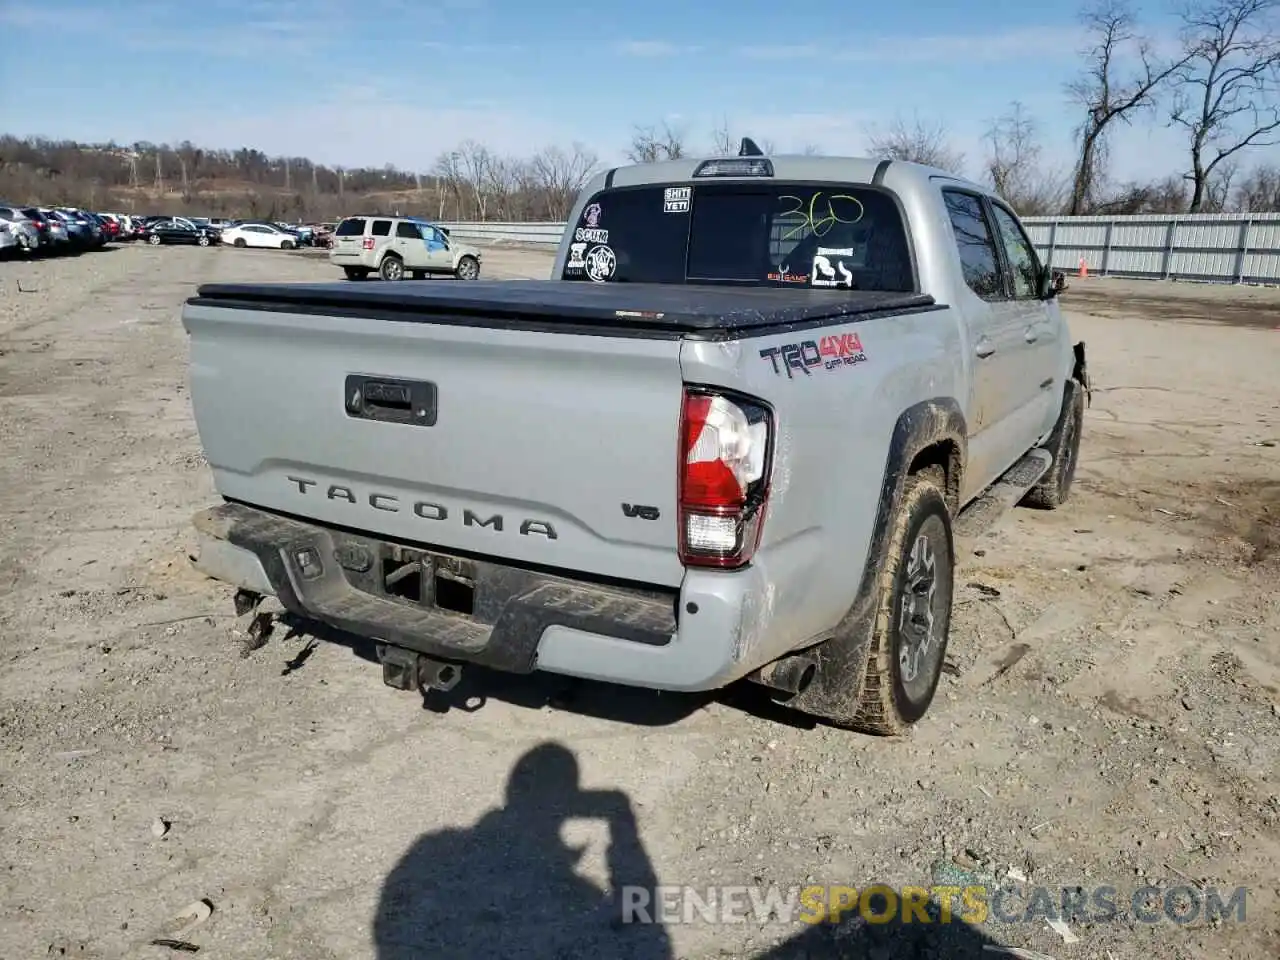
(676, 199)
(577, 252)
(601, 264)
(824, 274)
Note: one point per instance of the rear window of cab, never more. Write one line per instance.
(833, 236)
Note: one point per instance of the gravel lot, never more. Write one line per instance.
(1113, 717)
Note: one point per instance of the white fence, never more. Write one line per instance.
(1223, 248)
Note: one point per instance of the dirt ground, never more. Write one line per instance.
(1111, 717)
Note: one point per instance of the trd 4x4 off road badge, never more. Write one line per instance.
(825, 353)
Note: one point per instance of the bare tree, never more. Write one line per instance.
(1260, 191)
(448, 173)
(649, 144)
(916, 141)
(1227, 86)
(559, 176)
(1014, 164)
(474, 162)
(811, 150)
(1108, 91)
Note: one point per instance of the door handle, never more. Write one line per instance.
(985, 348)
(1031, 335)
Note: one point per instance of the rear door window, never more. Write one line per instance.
(350, 228)
(978, 259)
(1020, 253)
(381, 228)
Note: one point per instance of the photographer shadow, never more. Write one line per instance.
(508, 887)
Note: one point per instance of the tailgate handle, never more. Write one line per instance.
(411, 402)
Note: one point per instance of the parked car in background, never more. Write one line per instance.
(177, 230)
(395, 246)
(304, 233)
(53, 231)
(110, 225)
(8, 238)
(321, 236)
(22, 227)
(260, 235)
(83, 232)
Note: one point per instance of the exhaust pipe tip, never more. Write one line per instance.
(790, 675)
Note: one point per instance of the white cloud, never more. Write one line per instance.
(792, 51)
(654, 48)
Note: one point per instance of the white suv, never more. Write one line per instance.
(394, 246)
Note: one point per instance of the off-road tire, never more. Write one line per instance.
(356, 273)
(468, 269)
(886, 706)
(1064, 443)
(391, 268)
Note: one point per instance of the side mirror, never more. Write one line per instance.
(1052, 282)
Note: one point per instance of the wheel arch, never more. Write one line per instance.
(932, 432)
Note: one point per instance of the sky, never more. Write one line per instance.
(370, 82)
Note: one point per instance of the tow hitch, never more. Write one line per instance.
(405, 670)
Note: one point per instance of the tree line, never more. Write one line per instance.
(1219, 85)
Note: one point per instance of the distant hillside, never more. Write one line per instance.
(468, 183)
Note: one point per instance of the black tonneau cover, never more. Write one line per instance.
(648, 309)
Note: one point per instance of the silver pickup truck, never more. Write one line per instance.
(734, 436)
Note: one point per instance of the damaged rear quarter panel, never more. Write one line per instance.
(832, 434)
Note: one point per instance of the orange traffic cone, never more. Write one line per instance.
(1084, 268)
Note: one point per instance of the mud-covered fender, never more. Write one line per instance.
(842, 659)
(1080, 371)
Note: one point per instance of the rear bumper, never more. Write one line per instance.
(519, 620)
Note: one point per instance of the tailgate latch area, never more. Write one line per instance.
(390, 400)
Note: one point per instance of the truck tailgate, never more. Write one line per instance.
(504, 443)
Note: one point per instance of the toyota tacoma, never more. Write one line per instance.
(735, 435)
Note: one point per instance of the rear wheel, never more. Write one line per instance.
(392, 268)
(240, 243)
(913, 618)
(356, 273)
(287, 244)
(154, 239)
(468, 268)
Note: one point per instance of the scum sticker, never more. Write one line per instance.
(676, 199)
(587, 235)
(601, 264)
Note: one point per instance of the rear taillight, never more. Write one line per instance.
(368, 243)
(725, 458)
